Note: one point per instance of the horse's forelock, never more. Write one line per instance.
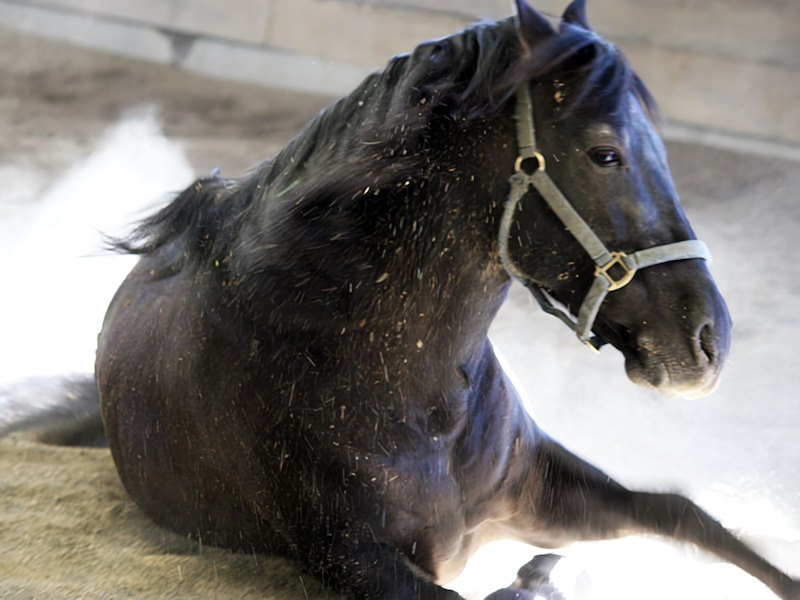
(596, 71)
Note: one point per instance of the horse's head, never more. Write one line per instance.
(598, 147)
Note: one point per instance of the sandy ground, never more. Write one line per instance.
(60, 531)
(69, 118)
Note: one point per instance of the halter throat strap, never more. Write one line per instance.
(613, 270)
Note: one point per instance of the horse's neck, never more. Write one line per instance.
(419, 259)
(445, 273)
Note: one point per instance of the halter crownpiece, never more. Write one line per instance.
(604, 280)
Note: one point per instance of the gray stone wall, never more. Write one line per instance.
(729, 66)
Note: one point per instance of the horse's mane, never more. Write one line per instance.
(384, 132)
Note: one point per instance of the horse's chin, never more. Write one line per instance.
(688, 386)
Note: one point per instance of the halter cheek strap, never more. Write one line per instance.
(608, 264)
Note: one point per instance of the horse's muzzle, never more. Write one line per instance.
(679, 340)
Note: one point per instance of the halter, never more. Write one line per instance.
(604, 281)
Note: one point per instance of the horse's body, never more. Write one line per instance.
(299, 362)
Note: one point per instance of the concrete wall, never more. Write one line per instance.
(730, 66)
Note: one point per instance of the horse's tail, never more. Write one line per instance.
(53, 410)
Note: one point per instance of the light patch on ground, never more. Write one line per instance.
(57, 284)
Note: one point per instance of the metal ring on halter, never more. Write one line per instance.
(520, 159)
(617, 258)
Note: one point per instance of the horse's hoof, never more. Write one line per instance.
(533, 581)
(546, 591)
(536, 573)
(511, 593)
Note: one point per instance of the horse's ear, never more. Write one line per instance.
(576, 14)
(533, 27)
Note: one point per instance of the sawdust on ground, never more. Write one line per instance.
(69, 530)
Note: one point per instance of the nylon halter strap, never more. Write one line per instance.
(604, 280)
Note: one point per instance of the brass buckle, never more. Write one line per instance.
(616, 259)
(592, 347)
(520, 159)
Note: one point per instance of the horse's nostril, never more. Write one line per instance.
(705, 343)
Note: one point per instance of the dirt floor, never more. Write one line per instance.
(59, 531)
(68, 530)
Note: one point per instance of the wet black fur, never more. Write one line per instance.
(383, 133)
(299, 362)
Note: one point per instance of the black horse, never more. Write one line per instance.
(299, 362)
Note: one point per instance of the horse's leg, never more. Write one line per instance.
(354, 563)
(341, 550)
(565, 499)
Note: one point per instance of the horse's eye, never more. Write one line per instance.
(605, 157)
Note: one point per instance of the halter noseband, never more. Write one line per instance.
(604, 259)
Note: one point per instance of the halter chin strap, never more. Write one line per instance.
(624, 266)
